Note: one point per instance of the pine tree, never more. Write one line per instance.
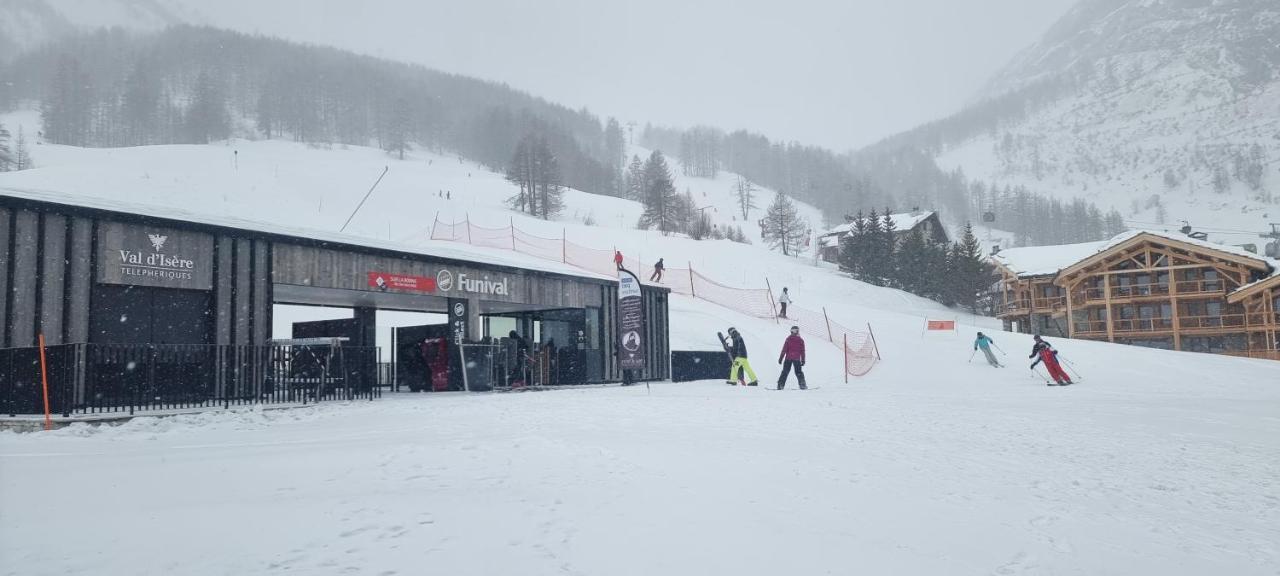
(7, 159)
(913, 263)
(746, 196)
(888, 247)
(1114, 224)
(396, 133)
(140, 106)
(207, 118)
(636, 184)
(970, 272)
(550, 192)
(873, 262)
(660, 205)
(66, 110)
(22, 155)
(784, 228)
(852, 248)
(520, 171)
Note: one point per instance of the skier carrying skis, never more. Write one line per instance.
(784, 299)
(657, 271)
(793, 354)
(738, 350)
(984, 342)
(1049, 356)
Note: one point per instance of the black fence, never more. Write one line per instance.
(688, 366)
(100, 378)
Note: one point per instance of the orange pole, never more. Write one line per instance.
(44, 379)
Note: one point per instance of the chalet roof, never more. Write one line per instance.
(1050, 260)
(902, 222)
(1045, 260)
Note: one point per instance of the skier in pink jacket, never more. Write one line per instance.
(792, 355)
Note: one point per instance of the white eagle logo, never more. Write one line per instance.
(157, 241)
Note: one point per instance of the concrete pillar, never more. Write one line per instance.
(4, 277)
(53, 277)
(475, 330)
(22, 313)
(366, 329)
(79, 281)
(223, 293)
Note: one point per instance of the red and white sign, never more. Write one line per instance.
(941, 325)
(384, 282)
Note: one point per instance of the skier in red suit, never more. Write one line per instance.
(1049, 356)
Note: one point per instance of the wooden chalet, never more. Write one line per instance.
(904, 223)
(1152, 289)
(1261, 303)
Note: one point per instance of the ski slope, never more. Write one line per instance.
(1155, 463)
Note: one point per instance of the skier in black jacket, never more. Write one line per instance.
(738, 350)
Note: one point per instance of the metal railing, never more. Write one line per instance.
(104, 378)
(1150, 290)
(1024, 305)
(1208, 322)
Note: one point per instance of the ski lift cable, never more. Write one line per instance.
(1202, 228)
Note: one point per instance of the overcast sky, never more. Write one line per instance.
(836, 73)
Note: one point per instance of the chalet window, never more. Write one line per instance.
(1210, 281)
(1213, 308)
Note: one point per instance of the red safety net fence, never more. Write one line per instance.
(860, 350)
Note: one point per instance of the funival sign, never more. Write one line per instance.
(152, 256)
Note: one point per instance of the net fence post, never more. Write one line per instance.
(512, 224)
(845, 369)
(468, 215)
(773, 307)
(564, 246)
(830, 337)
(692, 292)
(873, 340)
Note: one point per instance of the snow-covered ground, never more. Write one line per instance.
(1156, 463)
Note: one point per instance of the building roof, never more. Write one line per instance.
(1050, 260)
(432, 248)
(1044, 260)
(902, 222)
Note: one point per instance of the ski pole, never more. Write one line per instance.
(999, 348)
(1072, 368)
(975, 351)
(1037, 373)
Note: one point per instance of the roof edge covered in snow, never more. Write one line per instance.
(447, 251)
(1041, 261)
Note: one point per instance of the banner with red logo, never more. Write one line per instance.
(942, 325)
(384, 282)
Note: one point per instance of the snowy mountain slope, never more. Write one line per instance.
(27, 24)
(1178, 100)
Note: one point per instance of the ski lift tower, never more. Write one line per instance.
(1273, 247)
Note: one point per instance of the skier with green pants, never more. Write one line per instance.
(738, 350)
(984, 342)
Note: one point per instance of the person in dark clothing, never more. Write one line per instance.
(520, 362)
(738, 350)
(1049, 356)
(657, 272)
(792, 355)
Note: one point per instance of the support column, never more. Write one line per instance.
(366, 327)
(4, 277)
(1173, 299)
(79, 282)
(53, 252)
(22, 310)
(475, 329)
(1111, 319)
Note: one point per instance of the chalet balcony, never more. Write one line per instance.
(1227, 321)
(1045, 305)
(1153, 290)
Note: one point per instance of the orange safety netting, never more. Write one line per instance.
(860, 353)
(752, 302)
